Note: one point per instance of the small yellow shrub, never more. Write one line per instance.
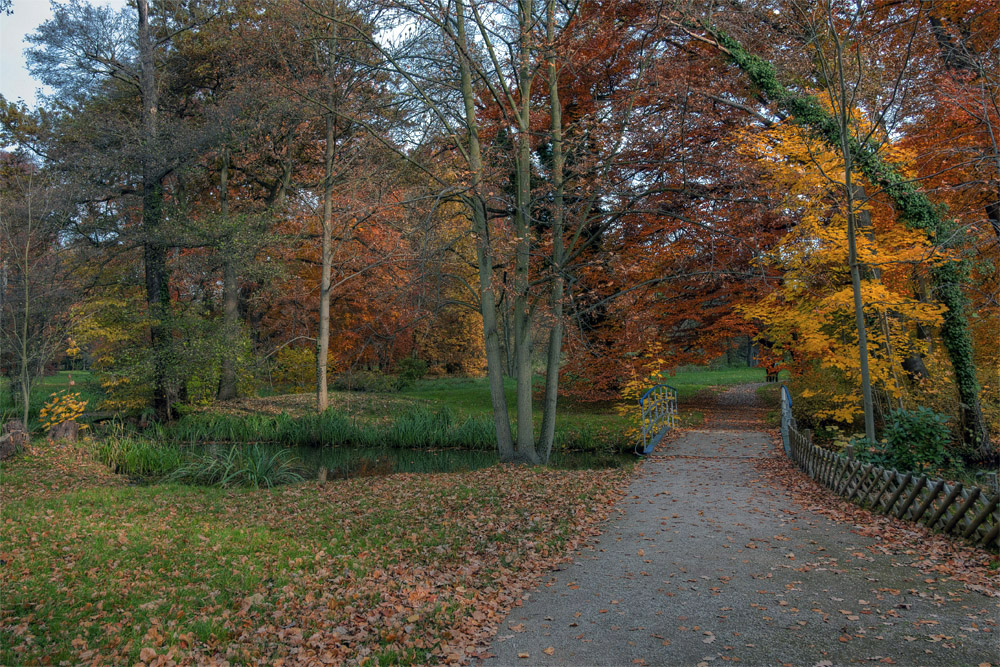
(61, 407)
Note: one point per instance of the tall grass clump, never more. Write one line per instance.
(416, 428)
(137, 457)
(253, 466)
(476, 432)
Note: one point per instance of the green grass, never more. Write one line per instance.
(688, 381)
(464, 395)
(418, 427)
(84, 383)
(137, 457)
(119, 569)
(450, 413)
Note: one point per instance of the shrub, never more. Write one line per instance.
(62, 406)
(411, 369)
(368, 381)
(915, 440)
(253, 466)
(295, 367)
(918, 439)
(137, 457)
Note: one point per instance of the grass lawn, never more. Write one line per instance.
(43, 387)
(404, 568)
(689, 380)
(585, 426)
(472, 395)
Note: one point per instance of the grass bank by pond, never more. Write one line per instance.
(405, 569)
(268, 464)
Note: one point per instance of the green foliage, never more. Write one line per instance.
(416, 428)
(411, 369)
(918, 439)
(367, 381)
(915, 440)
(253, 466)
(295, 368)
(137, 457)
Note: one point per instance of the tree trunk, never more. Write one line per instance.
(323, 339)
(484, 255)
(842, 106)
(859, 321)
(230, 294)
(25, 358)
(993, 214)
(522, 307)
(154, 250)
(553, 357)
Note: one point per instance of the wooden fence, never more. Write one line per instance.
(972, 513)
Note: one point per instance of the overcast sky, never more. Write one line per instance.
(15, 83)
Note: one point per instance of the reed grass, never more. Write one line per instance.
(137, 457)
(254, 466)
(416, 428)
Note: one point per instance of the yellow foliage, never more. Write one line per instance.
(452, 340)
(295, 367)
(114, 327)
(654, 371)
(811, 315)
(62, 407)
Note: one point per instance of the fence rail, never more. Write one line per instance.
(659, 414)
(969, 512)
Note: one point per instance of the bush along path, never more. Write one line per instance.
(723, 552)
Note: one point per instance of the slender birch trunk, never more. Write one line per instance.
(25, 358)
(484, 255)
(842, 107)
(553, 356)
(323, 339)
(522, 218)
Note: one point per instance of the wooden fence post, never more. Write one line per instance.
(898, 492)
(912, 497)
(936, 489)
(963, 508)
(889, 475)
(981, 516)
(945, 504)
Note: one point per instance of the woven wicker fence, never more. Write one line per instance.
(969, 512)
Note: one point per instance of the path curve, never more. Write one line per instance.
(706, 565)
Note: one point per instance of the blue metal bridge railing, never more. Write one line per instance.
(659, 414)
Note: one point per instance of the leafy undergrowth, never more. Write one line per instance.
(932, 553)
(395, 570)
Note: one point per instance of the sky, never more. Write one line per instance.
(15, 82)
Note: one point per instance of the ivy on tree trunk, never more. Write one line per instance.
(915, 209)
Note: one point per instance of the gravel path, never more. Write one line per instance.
(706, 565)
